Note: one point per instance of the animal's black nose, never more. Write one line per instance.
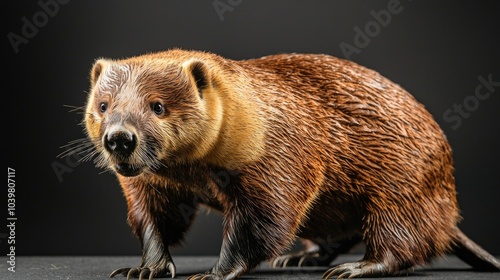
(120, 142)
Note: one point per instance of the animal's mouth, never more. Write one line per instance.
(127, 169)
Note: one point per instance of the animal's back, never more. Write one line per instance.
(386, 163)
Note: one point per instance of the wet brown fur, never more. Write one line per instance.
(286, 146)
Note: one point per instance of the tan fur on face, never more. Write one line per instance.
(224, 129)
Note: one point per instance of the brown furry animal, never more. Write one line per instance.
(286, 146)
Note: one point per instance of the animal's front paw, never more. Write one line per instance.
(215, 276)
(356, 269)
(146, 272)
(301, 259)
(205, 276)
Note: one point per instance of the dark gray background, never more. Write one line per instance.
(436, 51)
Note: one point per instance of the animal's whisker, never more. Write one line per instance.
(78, 146)
(78, 109)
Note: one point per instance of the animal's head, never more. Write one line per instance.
(145, 111)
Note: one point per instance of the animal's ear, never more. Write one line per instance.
(97, 70)
(198, 73)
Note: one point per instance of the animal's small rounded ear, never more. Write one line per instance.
(198, 73)
(97, 70)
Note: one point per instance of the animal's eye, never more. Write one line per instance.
(103, 107)
(158, 108)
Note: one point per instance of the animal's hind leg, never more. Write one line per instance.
(369, 266)
(316, 253)
(390, 249)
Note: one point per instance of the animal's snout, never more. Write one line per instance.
(120, 141)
